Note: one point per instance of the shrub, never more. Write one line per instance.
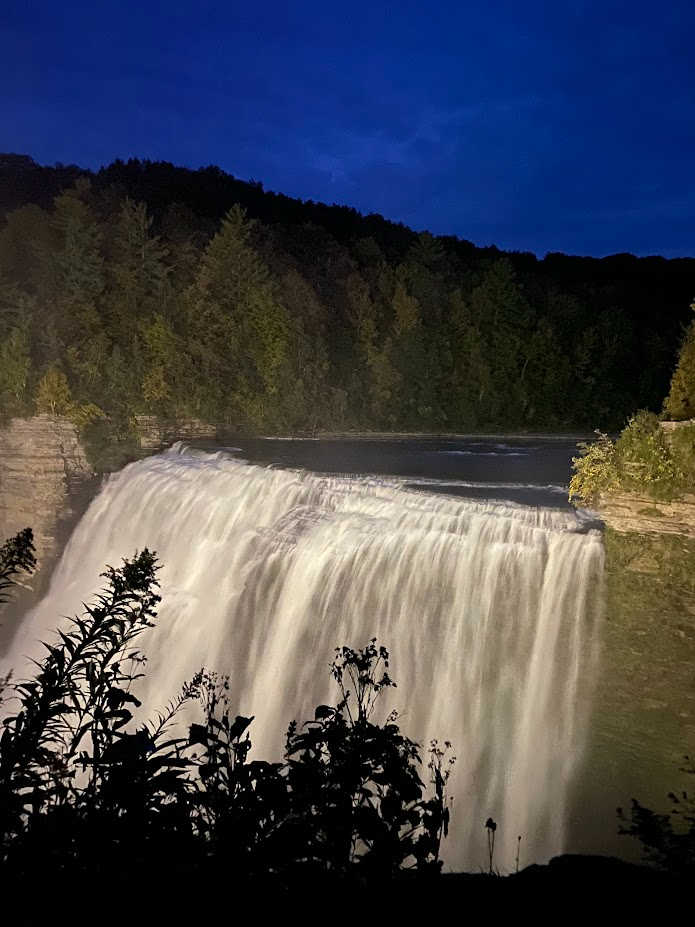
(84, 791)
(680, 402)
(16, 556)
(53, 393)
(355, 788)
(668, 840)
(644, 459)
(595, 470)
(682, 444)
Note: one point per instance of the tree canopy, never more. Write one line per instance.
(147, 288)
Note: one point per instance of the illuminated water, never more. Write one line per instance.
(488, 608)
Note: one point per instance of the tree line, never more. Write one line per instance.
(147, 288)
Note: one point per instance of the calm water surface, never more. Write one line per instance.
(527, 470)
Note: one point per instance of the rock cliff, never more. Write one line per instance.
(44, 474)
(155, 434)
(633, 513)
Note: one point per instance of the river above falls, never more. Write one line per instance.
(528, 470)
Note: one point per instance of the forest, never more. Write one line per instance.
(146, 288)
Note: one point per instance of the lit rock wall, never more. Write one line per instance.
(43, 467)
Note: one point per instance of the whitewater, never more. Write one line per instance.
(490, 612)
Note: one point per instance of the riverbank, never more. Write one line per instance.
(434, 435)
(644, 482)
(634, 513)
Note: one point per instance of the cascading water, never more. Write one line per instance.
(488, 611)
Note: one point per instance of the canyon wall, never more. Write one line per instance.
(46, 480)
(44, 472)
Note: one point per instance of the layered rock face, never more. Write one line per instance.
(46, 480)
(156, 434)
(635, 513)
(43, 473)
(632, 513)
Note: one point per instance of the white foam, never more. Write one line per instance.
(488, 610)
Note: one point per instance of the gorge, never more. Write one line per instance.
(555, 657)
(489, 611)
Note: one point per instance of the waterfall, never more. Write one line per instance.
(488, 609)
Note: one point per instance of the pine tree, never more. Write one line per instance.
(53, 393)
(14, 370)
(502, 314)
(680, 402)
(137, 269)
(241, 329)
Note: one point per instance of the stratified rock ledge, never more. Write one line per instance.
(42, 466)
(633, 513)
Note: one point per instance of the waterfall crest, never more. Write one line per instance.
(489, 612)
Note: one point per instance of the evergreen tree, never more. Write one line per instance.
(53, 394)
(503, 315)
(137, 268)
(14, 371)
(240, 328)
(680, 402)
(468, 373)
(307, 401)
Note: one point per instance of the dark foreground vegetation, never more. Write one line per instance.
(87, 794)
(147, 288)
(96, 809)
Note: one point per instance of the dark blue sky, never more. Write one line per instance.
(543, 126)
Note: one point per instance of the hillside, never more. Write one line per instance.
(135, 290)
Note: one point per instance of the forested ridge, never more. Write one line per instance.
(148, 288)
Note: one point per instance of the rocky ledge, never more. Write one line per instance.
(155, 434)
(43, 469)
(46, 480)
(631, 512)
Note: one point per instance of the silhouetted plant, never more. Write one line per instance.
(491, 828)
(75, 783)
(239, 805)
(83, 789)
(668, 840)
(16, 556)
(356, 792)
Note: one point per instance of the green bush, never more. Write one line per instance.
(595, 470)
(682, 444)
(644, 459)
(679, 405)
(109, 442)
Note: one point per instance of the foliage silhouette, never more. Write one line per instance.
(356, 792)
(16, 556)
(668, 840)
(84, 789)
(491, 827)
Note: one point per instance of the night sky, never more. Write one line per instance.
(536, 126)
